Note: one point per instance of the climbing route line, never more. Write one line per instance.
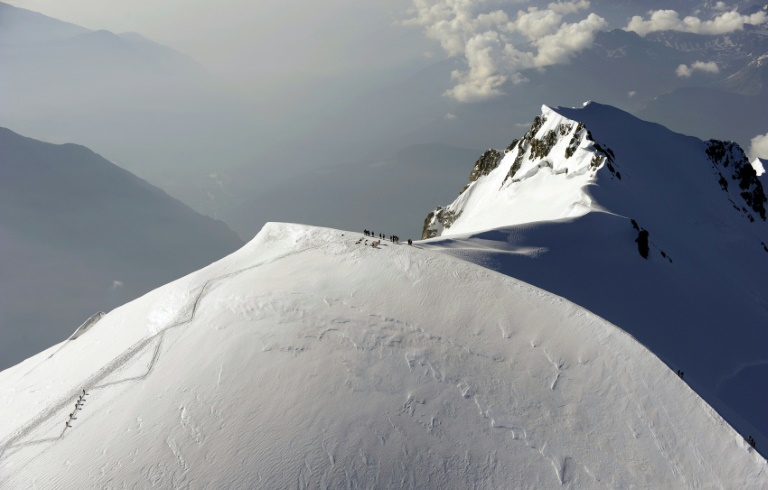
(14, 440)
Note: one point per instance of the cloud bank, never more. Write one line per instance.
(669, 20)
(759, 147)
(686, 71)
(490, 40)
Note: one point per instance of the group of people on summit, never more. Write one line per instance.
(382, 236)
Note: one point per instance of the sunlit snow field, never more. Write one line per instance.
(309, 358)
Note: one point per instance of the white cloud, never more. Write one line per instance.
(759, 147)
(660, 20)
(449, 117)
(683, 71)
(450, 22)
(535, 23)
(706, 66)
(558, 47)
(484, 77)
(631, 93)
(669, 20)
(484, 37)
(518, 78)
(568, 7)
(720, 6)
(686, 71)
(117, 285)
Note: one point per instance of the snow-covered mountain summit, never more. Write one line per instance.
(558, 169)
(310, 359)
(662, 234)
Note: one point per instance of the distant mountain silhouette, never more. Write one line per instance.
(146, 107)
(381, 195)
(79, 234)
(708, 112)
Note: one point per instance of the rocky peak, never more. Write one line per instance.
(555, 144)
(558, 167)
(732, 165)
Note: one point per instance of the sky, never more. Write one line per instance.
(253, 42)
(308, 59)
(272, 40)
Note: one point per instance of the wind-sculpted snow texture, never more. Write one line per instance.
(575, 220)
(309, 360)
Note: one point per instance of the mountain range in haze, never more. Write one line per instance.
(80, 235)
(161, 116)
(144, 106)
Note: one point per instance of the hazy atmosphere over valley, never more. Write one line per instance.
(527, 247)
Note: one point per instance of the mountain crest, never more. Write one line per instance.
(558, 167)
(554, 144)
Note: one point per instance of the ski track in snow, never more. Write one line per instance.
(16, 439)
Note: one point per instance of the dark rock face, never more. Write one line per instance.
(642, 243)
(440, 216)
(728, 158)
(485, 164)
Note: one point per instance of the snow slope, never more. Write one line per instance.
(571, 226)
(308, 359)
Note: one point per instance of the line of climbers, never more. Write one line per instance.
(78, 405)
(750, 440)
(382, 236)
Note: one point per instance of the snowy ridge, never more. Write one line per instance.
(759, 165)
(90, 322)
(310, 359)
(82, 329)
(552, 171)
